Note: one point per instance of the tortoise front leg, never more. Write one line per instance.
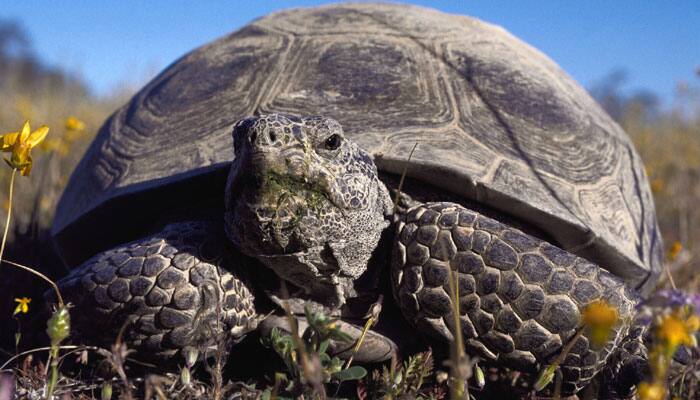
(520, 298)
(177, 288)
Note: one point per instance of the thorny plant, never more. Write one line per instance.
(306, 358)
(399, 381)
(167, 386)
(213, 330)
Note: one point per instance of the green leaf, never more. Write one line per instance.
(351, 374)
(310, 315)
(281, 343)
(106, 392)
(323, 346)
(336, 364)
(479, 376)
(545, 378)
(337, 334)
(398, 378)
(308, 333)
(281, 377)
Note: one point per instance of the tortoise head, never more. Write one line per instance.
(306, 201)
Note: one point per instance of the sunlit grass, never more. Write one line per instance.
(669, 145)
(35, 200)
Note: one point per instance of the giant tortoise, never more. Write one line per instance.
(519, 181)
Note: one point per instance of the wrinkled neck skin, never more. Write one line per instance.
(312, 213)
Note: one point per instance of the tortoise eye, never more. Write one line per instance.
(333, 142)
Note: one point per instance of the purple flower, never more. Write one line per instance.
(7, 386)
(675, 298)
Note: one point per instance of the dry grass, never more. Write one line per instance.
(51, 105)
(45, 96)
(670, 148)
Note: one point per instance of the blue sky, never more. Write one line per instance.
(116, 42)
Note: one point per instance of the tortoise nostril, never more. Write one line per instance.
(273, 137)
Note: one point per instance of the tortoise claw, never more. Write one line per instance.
(375, 347)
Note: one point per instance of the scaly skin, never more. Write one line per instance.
(520, 298)
(306, 202)
(174, 289)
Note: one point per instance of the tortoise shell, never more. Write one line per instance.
(496, 121)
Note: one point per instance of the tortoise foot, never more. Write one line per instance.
(520, 298)
(177, 288)
(375, 347)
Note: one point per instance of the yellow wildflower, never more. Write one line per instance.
(675, 250)
(20, 144)
(673, 332)
(74, 124)
(600, 317)
(22, 305)
(75, 129)
(651, 391)
(657, 185)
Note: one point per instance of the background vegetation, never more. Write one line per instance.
(668, 139)
(45, 95)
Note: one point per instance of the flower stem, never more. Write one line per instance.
(9, 213)
(458, 388)
(53, 355)
(58, 329)
(667, 268)
(40, 275)
(548, 374)
(358, 344)
(568, 347)
(38, 349)
(403, 177)
(373, 314)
